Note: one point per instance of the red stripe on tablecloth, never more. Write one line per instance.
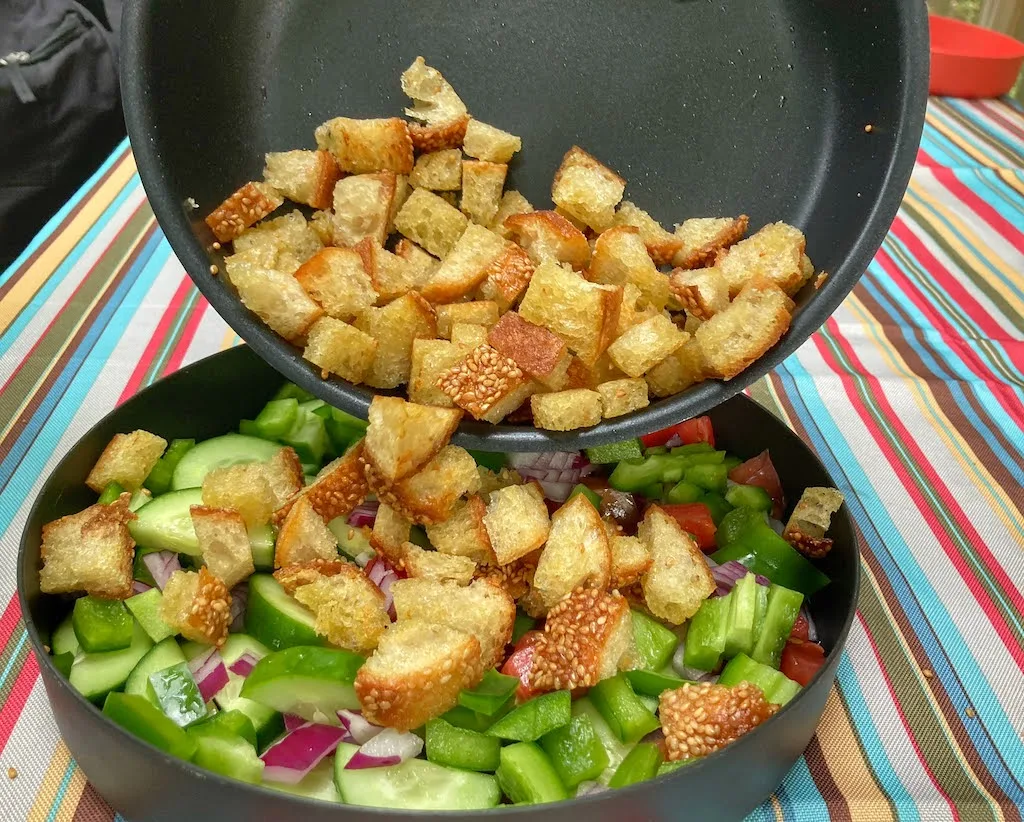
(925, 159)
(8, 620)
(155, 343)
(992, 113)
(1000, 224)
(17, 698)
(188, 334)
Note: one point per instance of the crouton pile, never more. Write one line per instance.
(417, 268)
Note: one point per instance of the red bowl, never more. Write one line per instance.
(971, 61)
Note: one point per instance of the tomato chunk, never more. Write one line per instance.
(801, 660)
(801, 630)
(761, 472)
(520, 664)
(695, 518)
(699, 429)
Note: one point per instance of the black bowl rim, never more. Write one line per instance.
(173, 219)
(45, 660)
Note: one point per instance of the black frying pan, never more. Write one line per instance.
(707, 107)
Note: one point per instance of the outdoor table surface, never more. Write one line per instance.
(911, 394)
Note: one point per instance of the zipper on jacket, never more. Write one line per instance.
(12, 62)
(69, 28)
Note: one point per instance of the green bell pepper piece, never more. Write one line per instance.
(576, 751)
(683, 492)
(63, 662)
(462, 717)
(731, 462)
(652, 683)
(159, 479)
(655, 449)
(669, 767)
(761, 608)
(654, 643)
(460, 748)
(627, 716)
(177, 694)
(705, 638)
(766, 553)
(291, 390)
(226, 723)
(739, 636)
(491, 695)
(735, 524)
(102, 624)
(692, 449)
(593, 497)
(522, 624)
(308, 436)
(527, 777)
(640, 764)
(531, 720)
(706, 458)
(111, 493)
(615, 452)
(709, 477)
(635, 475)
(136, 714)
(344, 429)
(780, 616)
(776, 686)
(145, 607)
(277, 418)
(749, 496)
(716, 505)
(493, 460)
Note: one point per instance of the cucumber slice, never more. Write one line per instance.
(219, 452)
(261, 540)
(317, 784)
(165, 523)
(64, 640)
(162, 655)
(414, 785)
(276, 619)
(145, 607)
(352, 541)
(616, 749)
(95, 675)
(267, 722)
(314, 683)
(229, 756)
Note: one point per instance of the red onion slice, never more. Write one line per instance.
(299, 752)
(383, 576)
(293, 722)
(674, 441)
(209, 672)
(680, 666)
(161, 565)
(364, 514)
(556, 471)
(140, 587)
(244, 664)
(729, 573)
(360, 729)
(389, 747)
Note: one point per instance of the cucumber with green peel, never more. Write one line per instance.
(145, 721)
(95, 675)
(314, 683)
(165, 523)
(162, 655)
(613, 746)
(177, 694)
(230, 723)
(351, 540)
(275, 618)
(226, 754)
(64, 640)
(414, 785)
(261, 541)
(267, 722)
(317, 784)
(102, 624)
(527, 775)
(145, 607)
(219, 452)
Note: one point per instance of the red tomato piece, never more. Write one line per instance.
(761, 472)
(801, 660)
(699, 429)
(520, 664)
(695, 518)
(800, 629)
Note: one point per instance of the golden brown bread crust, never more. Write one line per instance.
(702, 253)
(126, 460)
(536, 350)
(403, 436)
(427, 138)
(700, 719)
(250, 204)
(506, 278)
(303, 573)
(481, 380)
(303, 536)
(548, 234)
(338, 489)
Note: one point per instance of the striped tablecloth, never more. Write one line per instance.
(911, 394)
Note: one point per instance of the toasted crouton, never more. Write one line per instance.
(416, 673)
(643, 346)
(394, 327)
(429, 221)
(485, 142)
(350, 610)
(583, 314)
(403, 436)
(480, 609)
(250, 204)
(339, 348)
(437, 138)
(224, 543)
(437, 105)
(468, 336)
(303, 536)
(438, 170)
(390, 533)
(482, 185)
(516, 522)
(512, 202)
(678, 371)
(620, 257)
(576, 555)
(431, 359)
(244, 488)
(587, 189)
(811, 519)
(485, 383)
(703, 237)
(293, 576)
(391, 275)
(619, 397)
(491, 481)
(284, 243)
(402, 192)
(90, 551)
(661, 245)
(537, 351)
(362, 208)
(515, 578)
(321, 223)
(549, 236)
(338, 280)
(198, 606)
(507, 276)
(630, 560)
(422, 564)
(703, 292)
(466, 266)
(416, 257)
(775, 253)
(736, 337)
(588, 636)
(127, 460)
(337, 490)
(478, 312)
(303, 176)
(679, 579)
(566, 410)
(701, 718)
(591, 376)
(366, 146)
(429, 495)
(275, 297)
(284, 473)
(463, 534)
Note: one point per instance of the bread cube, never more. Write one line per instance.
(549, 236)
(322, 223)
(403, 437)
(432, 565)
(224, 543)
(394, 327)
(392, 276)
(416, 257)
(480, 609)
(90, 551)
(198, 606)
(491, 481)
(485, 142)
(516, 521)
(362, 208)
(738, 336)
(434, 101)
(537, 351)
(478, 312)
(284, 474)
(678, 371)
(485, 383)
(244, 488)
(699, 719)
(431, 359)
(811, 519)
(429, 495)
(306, 177)
(512, 202)
(679, 579)
(276, 298)
(620, 397)
(466, 265)
(703, 292)
(337, 490)
(468, 336)
(621, 258)
(645, 345)
(350, 610)
(591, 376)
(339, 282)
(630, 560)
(661, 244)
(775, 253)
(482, 185)
(127, 460)
(566, 410)
(303, 536)
(631, 313)
(416, 673)
(284, 243)
(514, 578)
(294, 576)
(429, 221)
(438, 170)
(463, 533)
(390, 534)
(587, 189)
(250, 204)
(703, 237)
(367, 146)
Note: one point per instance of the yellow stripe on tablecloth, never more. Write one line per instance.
(56, 776)
(46, 263)
(938, 121)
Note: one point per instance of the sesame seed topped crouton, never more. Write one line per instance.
(775, 253)
(224, 543)
(620, 397)
(703, 237)
(244, 488)
(643, 346)
(350, 610)
(587, 189)
(514, 578)
(419, 563)
(703, 718)
(811, 519)
(403, 436)
(620, 257)
(432, 223)
(465, 266)
(566, 410)
(661, 245)
(482, 186)
(127, 460)
(547, 235)
(303, 176)
(679, 579)
(516, 522)
(362, 208)
(250, 204)
(485, 142)
(463, 533)
(430, 360)
(703, 292)
(483, 381)
(337, 490)
(366, 146)
(438, 170)
(537, 351)
(395, 326)
(198, 606)
(303, 536)
(339, 282)
(507, 276)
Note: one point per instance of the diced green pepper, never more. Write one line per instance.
(111, 493)
(705, 638)
(652, 683)
(531, 720)
(308, 436)
(735, 524)
(640, 764)
(780, 616)
(136, 714)
(317, 406)
(145, 607)
(462, 717)
(229, 755)
(739, 636)
(527, 777)
(576, 751)
(494, 460)
(418, 536)
(634, 475)
(669, 767)
(63, 662)
(654, 643)
(102, 624)
(749, 496)
(176, 450)
(592, 496)
(615, 452)
(491, 695)
(177, 694)
(277, 418)
(731, 462)
(673, 470)
(653, 492)
(159, 479)
(291, 390)
(460, 748)
(716, 505)
(766, 553)
(344, 429)
(231, 723)
(706, 458)
(709, 477)
(776, 686)
(627, 716)
(683, 492)
(692, 449)
(523, 623)
(655, 449)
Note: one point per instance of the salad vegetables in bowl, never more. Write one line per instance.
(249, 603)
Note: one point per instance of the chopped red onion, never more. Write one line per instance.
(389, 747)
(729, 573)
(364, 514)
(674, 441)
(209, 672)
(140, 587)
(162, 564)
(244, 664)
(360, 729)
(588, 788)
(293, 722)
(812, 629)
(556, 471)
(299, 752)
(383, 576)
(239, 601)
